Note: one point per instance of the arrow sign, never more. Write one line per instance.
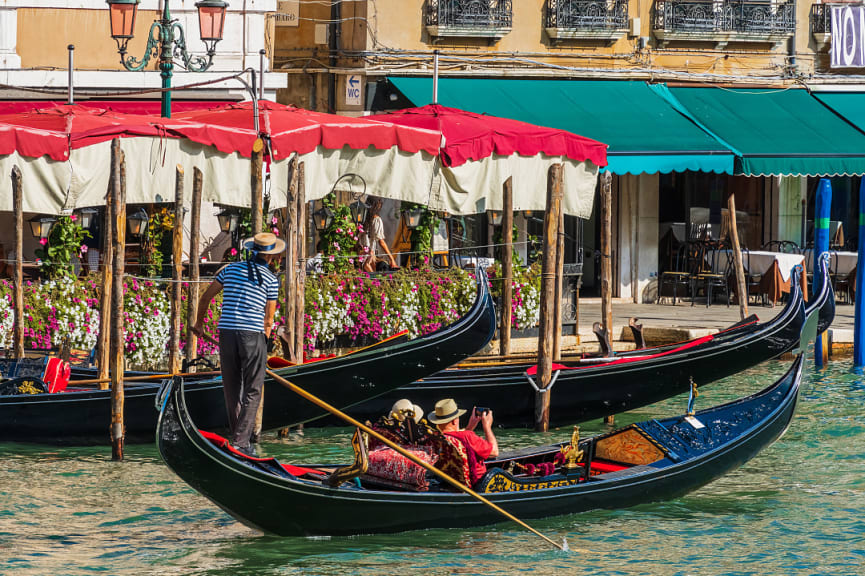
(353, 81)
(353, 90)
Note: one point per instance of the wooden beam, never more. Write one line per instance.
(548, 294)
(300, 277)
(118, 342)
(103, 347)
(742, 288)
(176, 274)
(606, 254)
(560, 267)
(18, 209)
(507, 266)
(194, 263)
(288, 287)
(256, 187)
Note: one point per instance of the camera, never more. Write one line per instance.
(480, 411)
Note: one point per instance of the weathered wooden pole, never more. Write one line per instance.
(194, 262)
(290, 237)
(741, 287)
(507, 266)
(176, 275)
(606, 255)
(256, 187)
(18, 208)
(606, 260)
(548, 294)
(118, 342)
(104, 346)
(300, 276)
(560, 267)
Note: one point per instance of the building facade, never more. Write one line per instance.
(327, 50)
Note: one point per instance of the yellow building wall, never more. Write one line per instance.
(43, 35)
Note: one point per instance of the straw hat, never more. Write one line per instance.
(404, 405)
(264, 243)
(445, 411)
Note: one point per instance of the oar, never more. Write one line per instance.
(322, 404)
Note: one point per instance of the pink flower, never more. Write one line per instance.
(233, 252)
(43, 241)
(73, 217)
(274, 220)
(84, 248)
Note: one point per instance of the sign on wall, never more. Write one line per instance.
(848, 37)
(288, 13)
(353, 90)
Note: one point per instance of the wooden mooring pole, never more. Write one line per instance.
(118, 210)
(607, 260)
(741, 287)
(176, 274)
(507, 266)
(256, 186)
(300, 276)
(18, 208)
(194, 263)
(548, 294)
(560, 266)
(290, 263)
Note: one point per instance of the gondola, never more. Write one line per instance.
(584, 391)
(644, 462)
(82, 415)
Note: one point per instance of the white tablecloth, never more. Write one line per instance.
(839, 262)
(760, 261)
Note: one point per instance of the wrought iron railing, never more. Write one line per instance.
(479, 14)
(821, 18)
(587, 14)
(754, 17)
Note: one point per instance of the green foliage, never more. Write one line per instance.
(422, 236)
(339, 242)
(156, 246)
(65, 241)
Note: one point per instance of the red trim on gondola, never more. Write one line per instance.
(223, 443)
(534, 369)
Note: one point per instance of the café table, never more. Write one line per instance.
(774, 269)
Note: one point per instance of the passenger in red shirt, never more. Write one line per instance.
(447, 418)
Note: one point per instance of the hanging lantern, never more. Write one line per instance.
(211, 21)
(358, 212)
(121, 14)
(412, 217)
(86, 217)
(40, 226)
(322, 218)
(136, 222)
(495, 217)
(228, 219)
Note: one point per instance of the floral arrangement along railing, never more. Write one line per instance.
(356, 306)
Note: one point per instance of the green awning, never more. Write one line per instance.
(774, 132)
(850, 105)
(643, 132)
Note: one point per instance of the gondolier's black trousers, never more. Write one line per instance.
(243, 357)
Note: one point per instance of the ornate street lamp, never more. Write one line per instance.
(136, 222)
(40, 226)
(167, 39)
(495, 217)
(86, 217)
(322, 218)
(412, 217)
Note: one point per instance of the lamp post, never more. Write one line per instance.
(228, 223)
(322, 218)
(86, 217)
(359, 211)
(495, 217)
(167, 39)
(40, 226)
(412, 217)
(136, 222)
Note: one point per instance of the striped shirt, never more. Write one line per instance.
(243, 300)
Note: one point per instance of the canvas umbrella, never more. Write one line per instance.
(480, 152)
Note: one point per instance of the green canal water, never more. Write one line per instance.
(798, 508)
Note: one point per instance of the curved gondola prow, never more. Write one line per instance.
(823, 303)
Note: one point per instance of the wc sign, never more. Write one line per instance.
(848, 37)
(353, 90)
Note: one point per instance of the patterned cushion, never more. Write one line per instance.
(391, 468)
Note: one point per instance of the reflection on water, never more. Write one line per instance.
(798, 508)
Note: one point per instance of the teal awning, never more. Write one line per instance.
(644, 133)
(850, 105)
(777, 132)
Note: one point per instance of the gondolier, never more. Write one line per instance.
(250, 291)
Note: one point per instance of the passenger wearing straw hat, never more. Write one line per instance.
(250, 292)
(446, 417)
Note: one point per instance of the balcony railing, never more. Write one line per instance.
(586, 19)
(723, 21)
(469, 18)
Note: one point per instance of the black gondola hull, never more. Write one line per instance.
(287, 506)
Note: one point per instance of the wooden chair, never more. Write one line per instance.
(682, 273)
(752, 279)
(786, 246)
(714, 275)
